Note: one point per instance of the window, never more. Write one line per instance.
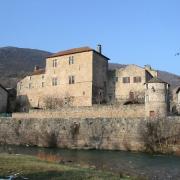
(54, 81)
(126, 79)
(42, 85)
(71, 60)
(137, 79)
(30, 85)
(71, 79)
(20, 86)
(179, 97)
(151, 113)
(116, 79)
(55, 63)
(131, 95)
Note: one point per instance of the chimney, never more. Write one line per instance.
(99, 48)
(147, 67)
(36, 68)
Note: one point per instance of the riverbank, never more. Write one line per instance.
(152, 166)
(35, 168)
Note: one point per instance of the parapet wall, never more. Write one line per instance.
(109, 111)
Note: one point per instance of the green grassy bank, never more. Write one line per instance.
(35, 168)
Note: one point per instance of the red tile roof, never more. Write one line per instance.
(38, 72)
(156, 80)
(75, 50)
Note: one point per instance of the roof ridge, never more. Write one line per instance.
(72, 51)
(156, 80)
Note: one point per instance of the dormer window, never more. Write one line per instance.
(71, 60)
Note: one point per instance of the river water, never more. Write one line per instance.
(155, 167)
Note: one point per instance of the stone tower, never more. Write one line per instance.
(156, 98)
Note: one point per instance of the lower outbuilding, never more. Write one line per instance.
(3, 99)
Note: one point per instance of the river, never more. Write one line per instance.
(155, 167)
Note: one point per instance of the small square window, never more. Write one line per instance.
(137, 79)
(126, 79)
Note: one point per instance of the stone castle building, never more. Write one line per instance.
(81, 77)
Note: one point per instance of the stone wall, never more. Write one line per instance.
(72, 133)
(99, 133)
(109, 111)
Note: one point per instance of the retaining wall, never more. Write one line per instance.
(98, 133)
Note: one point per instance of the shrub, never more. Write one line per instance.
(160, 135)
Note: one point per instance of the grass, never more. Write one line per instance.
(35, 168)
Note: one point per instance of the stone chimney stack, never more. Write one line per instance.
(99, 48)
(36, 68)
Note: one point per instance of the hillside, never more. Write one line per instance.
(15, 63)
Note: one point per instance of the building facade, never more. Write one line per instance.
(129, 83)
(78, 75)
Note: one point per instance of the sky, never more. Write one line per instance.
(130, 31)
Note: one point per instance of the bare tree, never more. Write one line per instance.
(51, 102)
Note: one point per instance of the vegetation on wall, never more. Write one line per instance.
(52, 102)
(160, 135)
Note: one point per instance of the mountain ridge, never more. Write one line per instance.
(15, 63)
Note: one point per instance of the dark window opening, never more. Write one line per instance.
(126, 79)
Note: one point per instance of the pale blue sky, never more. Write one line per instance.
(130, 31)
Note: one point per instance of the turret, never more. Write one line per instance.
(156, 98)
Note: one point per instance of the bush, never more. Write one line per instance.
(53, 102)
